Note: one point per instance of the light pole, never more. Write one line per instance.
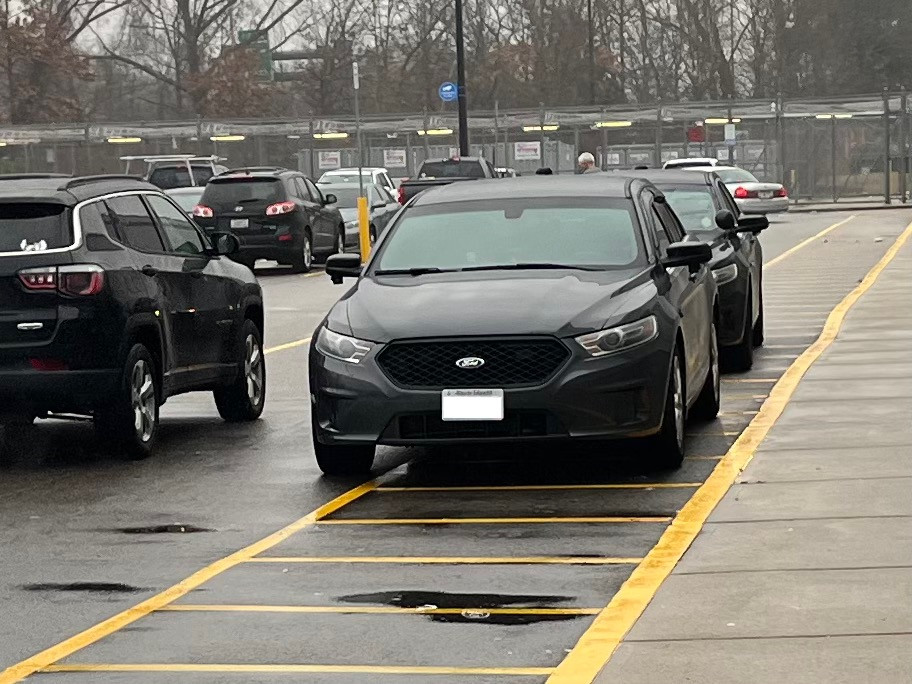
(460, 86)
(363, 212)
(591, 53)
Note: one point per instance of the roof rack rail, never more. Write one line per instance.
(253, 169)
(32, 176)
(174, 157)
(86, 180)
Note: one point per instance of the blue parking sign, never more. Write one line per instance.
(448, 91)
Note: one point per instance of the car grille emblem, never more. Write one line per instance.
(470, 362)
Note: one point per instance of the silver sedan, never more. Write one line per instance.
(751, 195)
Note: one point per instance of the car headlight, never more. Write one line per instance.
(726, 274)
(342, 347)
(620, 338)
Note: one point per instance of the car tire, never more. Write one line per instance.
(304, 259)
(129, 423)
(757, 333)
(342, 460)
(243, 400)
(666, 449)
(740, 357)
(707, 405)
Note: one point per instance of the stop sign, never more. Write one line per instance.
(696, 134)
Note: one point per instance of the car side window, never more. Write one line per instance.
(180, 232)
(314, 191)
(661, 233)
(301, 189)
(91, 219)
(133, 225)
(673, 227)
(385, 181)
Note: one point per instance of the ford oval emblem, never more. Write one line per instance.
(470, 362)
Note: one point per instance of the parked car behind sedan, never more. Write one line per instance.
(277, 213)
(751, 195)
(186, 198)
(381, 205)
(112, 301)
(371, 174)
(527, 310)
(706, 209)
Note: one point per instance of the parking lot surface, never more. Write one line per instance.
(464, 566)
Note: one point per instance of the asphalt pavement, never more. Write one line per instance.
(466, 566)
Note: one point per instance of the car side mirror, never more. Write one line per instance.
(690, 254)
(225, 244)
(339, 266)
(329, 199)
(726, 220)
(753, 224)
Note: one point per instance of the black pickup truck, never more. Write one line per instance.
(436, 172)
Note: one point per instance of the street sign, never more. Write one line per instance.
(394, 158)
(527, 151)
(330, 159)
(259, 41)
(731, 135)
(356, 76)
(448, 91)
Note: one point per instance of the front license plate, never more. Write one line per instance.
(472, 404)
(766, 194)
(239, 223)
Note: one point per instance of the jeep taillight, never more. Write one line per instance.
(280, 208)
(76, 280)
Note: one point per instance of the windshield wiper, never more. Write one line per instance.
(417, 271)
(530, 267)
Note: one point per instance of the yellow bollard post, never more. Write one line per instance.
(364, 228)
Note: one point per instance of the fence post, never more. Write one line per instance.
(427, 149)
(903, 144)
(408, 154)
(496, 132)
(780, 138)
(312, 171)
(833, 156)
(886, 118)
(658, 138)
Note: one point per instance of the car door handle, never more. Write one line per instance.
(149, 271)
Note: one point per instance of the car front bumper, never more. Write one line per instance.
(774, 205)
(612, 397)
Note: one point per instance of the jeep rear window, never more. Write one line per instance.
(452, 169)
(221, 193)
(34, 227)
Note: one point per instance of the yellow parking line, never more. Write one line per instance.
(787, 253)
(600, 641)
(301, 669)
(531, 488)
(492, 521)
(373, 610)
(287, 345)
(42, 660)
(452, 560)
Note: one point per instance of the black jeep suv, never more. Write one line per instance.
(276, 213)
(112, 300)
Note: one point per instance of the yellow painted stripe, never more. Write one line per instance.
(786, 254)
(491, 521)
(287, 345)
(529, 488)
(372, 610)
(64, 649)
(453, 560)
(301, 669)
(600, 641)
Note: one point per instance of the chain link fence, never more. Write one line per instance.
(822, 149)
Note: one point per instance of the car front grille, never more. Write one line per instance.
(516, 424)
(432, 364)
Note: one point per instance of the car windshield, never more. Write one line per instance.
(572, 232)
(693, 205)
(167, 177)
(451, 168)
(187, 200)
(735, 176)
(222, 192)
(347, 196)
(33, 227)
(688, 163)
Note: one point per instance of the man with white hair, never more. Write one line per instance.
(586, 163)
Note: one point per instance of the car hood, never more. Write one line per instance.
(561, 303)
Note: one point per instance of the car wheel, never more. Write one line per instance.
(343, 460)
(304, 259)
(243, 400)
(666, 449)
(707, 405)
(740, 358)
(130, 422)
(757, 334)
